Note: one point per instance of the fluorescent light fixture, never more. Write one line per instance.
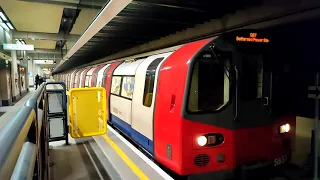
(4, 26)
(3, 17)
(10, 26)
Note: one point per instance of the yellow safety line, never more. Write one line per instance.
(126, 159)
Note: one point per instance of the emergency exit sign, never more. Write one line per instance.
(21, 47)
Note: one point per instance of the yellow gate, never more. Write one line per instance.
(87, 112)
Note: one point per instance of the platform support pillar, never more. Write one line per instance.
(14, 75)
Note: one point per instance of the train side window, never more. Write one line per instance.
(149, 82)
(127, 87)
(116, 84)
(210, 84)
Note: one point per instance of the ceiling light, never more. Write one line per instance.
(4, 26)
(3, 17)
(33, 38)
(10, 26)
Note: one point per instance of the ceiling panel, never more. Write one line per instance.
(33, 17)
(42, 44)
(84, 20)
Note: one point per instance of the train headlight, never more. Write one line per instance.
(284, 128)
(202, 140)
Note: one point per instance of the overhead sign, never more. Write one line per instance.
(21, 47)
(253, 37)
(43, 61)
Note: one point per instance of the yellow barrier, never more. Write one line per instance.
(87, 112)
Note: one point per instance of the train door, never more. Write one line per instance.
(68, 79)
(72, 79)
(83, 77)
(87, 82)
(77, 79)
(122, 88)
(94, 77)
(102, 75)
(144, 99)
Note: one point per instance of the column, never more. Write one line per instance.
(14, 76)
(31, 72)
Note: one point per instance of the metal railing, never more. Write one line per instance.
(24, 140)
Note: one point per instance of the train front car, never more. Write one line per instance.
(221, 110)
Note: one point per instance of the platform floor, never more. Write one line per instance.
(75, 162)
(10, 111)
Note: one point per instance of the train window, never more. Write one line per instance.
(251, 77)
(116, 84)
(210, 84)
(127, 87)
(149, 82)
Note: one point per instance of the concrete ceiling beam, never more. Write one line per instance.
(45, 51)
(44, 36)
(83, 4)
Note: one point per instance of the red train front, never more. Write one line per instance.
(216, 108)
(214, 115)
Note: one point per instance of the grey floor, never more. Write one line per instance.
(73, 162)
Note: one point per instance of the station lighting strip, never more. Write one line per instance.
(4, 21)
(20, 41)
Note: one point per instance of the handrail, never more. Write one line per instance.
(24, 140)
(12, 138)
(34, 101)
(26, 162)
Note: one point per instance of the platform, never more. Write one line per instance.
(105, 157)
(9, 111)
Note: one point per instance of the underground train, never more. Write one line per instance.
(212, 107)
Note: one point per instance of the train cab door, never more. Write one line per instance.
(254, 89)
(144, 99)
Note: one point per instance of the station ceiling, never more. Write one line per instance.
(52, 17)
(146, 20)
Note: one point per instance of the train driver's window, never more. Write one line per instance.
(210, 84)
(149, 82)
(116, 84)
